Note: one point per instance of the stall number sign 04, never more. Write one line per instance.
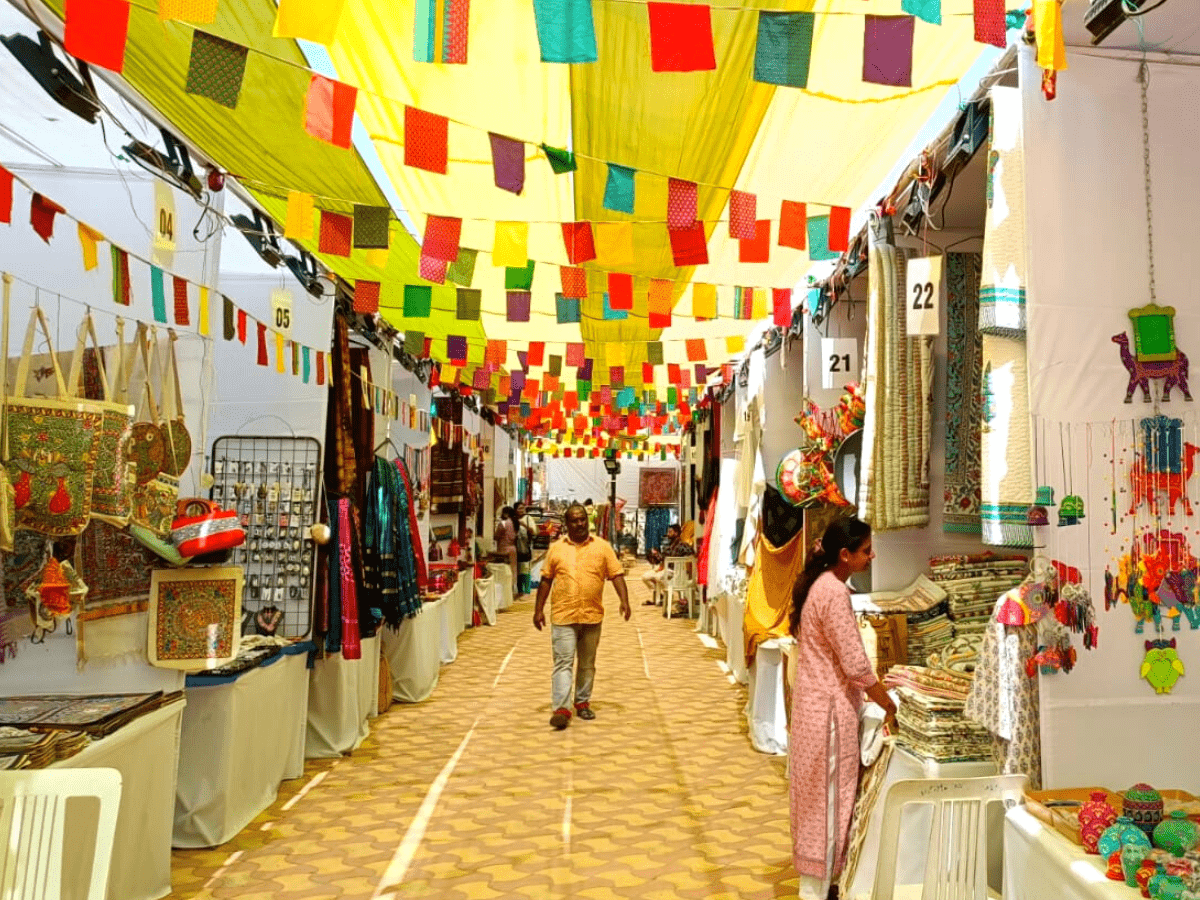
(839, 362)
(924, 297)
(281, 312)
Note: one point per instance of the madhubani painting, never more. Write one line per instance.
(658, 487)
(195, 617)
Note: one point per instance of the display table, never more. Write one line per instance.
(342, 695)
(766, 700)
(1041, 863)
(414, 651)
(486, 599)
(915, 824)
(450, 622)
(503, 575)
(466, 600)
(241, 737)
(145, 752)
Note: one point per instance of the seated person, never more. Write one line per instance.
(655, 578)
(674, 543)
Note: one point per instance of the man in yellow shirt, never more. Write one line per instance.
(576, 567)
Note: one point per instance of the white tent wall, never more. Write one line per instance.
(576, 480)
(1088, 266)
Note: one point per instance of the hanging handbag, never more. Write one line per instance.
(177, 442)
(112, 482)
(8, 511)
(201, 526)
(52, 444)
(157, 491)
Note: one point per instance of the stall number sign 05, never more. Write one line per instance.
(839, 362)
(924, 297)
(281, 312)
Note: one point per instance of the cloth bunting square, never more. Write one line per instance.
(781, 300)
(735, 343)
(441, 237)
(681, 38)
(575, 354)
(497, 351)
(574, 281)
(685, 377)
(432, 269)
(158, 297)
(616, 375)
(784, 50)
(414, 343)
(647, 373)
(565, 30)
(792, 225)
(462, 270)
(418, 301)
(480, 379)
(456, 348)
(681, 203)
(517, 380)
(371, 227)
(469, 301)
(888, 50)
(928, 10)
(585, 369)
(660, 294)
(577, 237)
(198, 12)
(96, 31)
(311, 20)
(6, 195)
(567, 309)
(329, 110)
(537, 353)
(704, 301)
(689, 246)
(451, 18)
(743, 302)
(742, 211)
(519, 278)
(818, 239)
(508, 163)
(555, 365)
(654, 353)
(989, 23)
(88, 239)
(839, 228)
(758, 248)
(299, 221)
(619, 188)
(614, 243)
(620, 290)
(366, 296)
(426, 137)
(518, 305)
(696, 351)
(701, 371)
(216, 69)
(561, 161)
(510, 246)
(659, 313)
(673, 373)
(614, 353)
(42, 211)
(613, 315)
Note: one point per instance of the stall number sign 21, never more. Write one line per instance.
(839, 362)
(281, 312)
(924, 297)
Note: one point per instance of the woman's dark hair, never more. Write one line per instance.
(509, 513)
(843, 534)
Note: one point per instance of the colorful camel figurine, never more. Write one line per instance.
(1174, 372)
(1145, 486)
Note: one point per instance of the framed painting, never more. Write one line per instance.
(195, 617)
(443, 532)
(658, 487)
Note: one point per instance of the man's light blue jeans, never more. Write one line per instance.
(571, 642)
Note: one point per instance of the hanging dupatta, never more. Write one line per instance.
(351, 641)
(410, 556)
(333, 581)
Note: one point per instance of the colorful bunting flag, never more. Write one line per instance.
(989, 23)
(537, 352)
(198, 12)
(614, 353)
(818, 239)
(577, 237)
(758, 303)
(839, 228)
(440, 31)
(567, 309)
(696, 350)
(496, 352)
(928, 10)
(784, 49)
(456, 348)
(704, 301)
(734, 343)
(742, 210)
(654, 353)
(278, 352)
(469, 303)
(613, 315)
(689, 246)
(619, 188)
(42, 211)
(574, 281)
(781, 299)
(88, 238)
(1048, 29)
(888, 50)
(414, 343)
(681, 37)
(242, 322)
(575, 354)
(262, 344)
(758, 248)
(681, 203)
(566, 31)
(620, 290)
(508, 163)
(673, 373)
(371, 227)
(519, 278)
(158, 298)
(510, 246)
(216, 68)
(299, 221)
(793, 225)
(426, 137)
(462, 270)
(6, 195)
(182, 313)
(441, 239)
(614, 243)
(518, 305)
(616, 376)
(555, 365)
(658, 305)
(229, 317)
(311, 20)
(96, 31)
(336, 231)
(329, 110)
(366, 296)
(418, 301)
(432, 269)
(203, 313)
(561, 161)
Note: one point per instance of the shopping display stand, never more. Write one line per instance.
(342, 695)
(242, 735)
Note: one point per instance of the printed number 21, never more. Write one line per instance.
(923, 295)
(839, 363)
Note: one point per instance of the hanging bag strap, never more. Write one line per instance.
(87, 329)
(173, 409)
(150, 366)
(37, 319)
(4, 328)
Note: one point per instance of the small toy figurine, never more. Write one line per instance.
(1071, 510)
(1161, 666)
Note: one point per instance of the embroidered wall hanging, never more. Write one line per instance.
(195, 617)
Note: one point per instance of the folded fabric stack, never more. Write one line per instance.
(931, 718)
(925, 606)
(973, 583)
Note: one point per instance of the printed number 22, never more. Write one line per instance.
(923, 295)
(839, 363)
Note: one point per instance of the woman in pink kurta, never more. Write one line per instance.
(832, 674)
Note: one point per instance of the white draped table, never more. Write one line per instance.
(1041, 864)
(342, 695)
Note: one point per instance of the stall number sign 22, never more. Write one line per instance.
(924, 297)
(839, 362)
(281, 312)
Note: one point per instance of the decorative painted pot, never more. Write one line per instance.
(1168, 887)
(1145, 872)
(1177, 833)
(1114, 867)
(1144, 805)
(1094, 817)
(1120, 833)
(1132, 857)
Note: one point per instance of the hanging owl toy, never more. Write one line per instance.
(1161, 666)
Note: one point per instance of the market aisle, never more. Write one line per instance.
(660, 796)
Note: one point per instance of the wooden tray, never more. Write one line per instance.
(1065, 819)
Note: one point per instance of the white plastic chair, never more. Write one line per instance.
(956, 865)
(681, 580)
(33, 820)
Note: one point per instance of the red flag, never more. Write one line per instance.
(262, 344)
(6, 195)
(329, 110)
(782, 298)
(839, 228)
(620, 290)
(536, 353)
(758, 249)
(426, 140)
(42, 211)
(336, 232)
(366, 296)
(574, 282)
(577, 236)
(681, 203)
(241, 325)
(989, 23)
(742, 212)
(681, 38)
(648, 373)
(696, 350)
(793, 225)
(182, 316)
(96, 31)
(689, 246)
(442, 235)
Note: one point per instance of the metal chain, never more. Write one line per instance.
(1144, 80)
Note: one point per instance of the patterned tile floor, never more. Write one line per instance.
(472, 795)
